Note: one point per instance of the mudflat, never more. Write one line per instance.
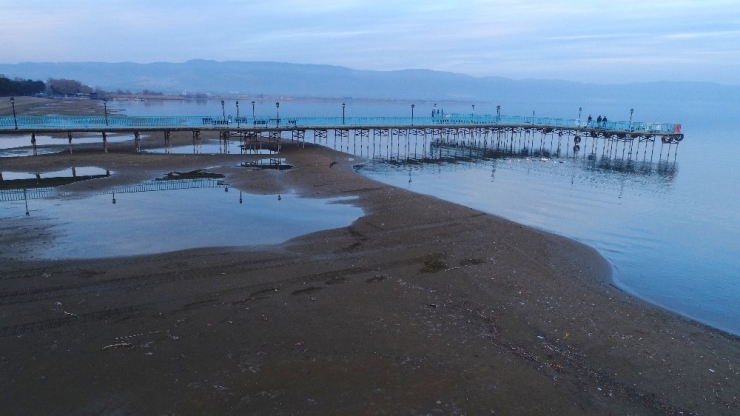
(421, 306)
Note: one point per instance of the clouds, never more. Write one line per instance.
(594, 41)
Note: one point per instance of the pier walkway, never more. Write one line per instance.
(119, 123)
(448, 128)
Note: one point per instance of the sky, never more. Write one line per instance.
(589, 41)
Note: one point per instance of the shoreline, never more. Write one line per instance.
(420, 306)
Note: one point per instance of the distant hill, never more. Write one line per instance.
(298, 80)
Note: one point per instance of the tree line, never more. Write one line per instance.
(20, 86)
(55, 86)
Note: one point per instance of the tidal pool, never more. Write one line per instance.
(64, 173)
(19, 146)
(232, 147)
(163, 216)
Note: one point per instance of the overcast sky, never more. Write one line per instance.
(592, 41)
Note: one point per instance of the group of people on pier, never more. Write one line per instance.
(600, 121)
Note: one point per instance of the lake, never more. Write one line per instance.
(671, 229)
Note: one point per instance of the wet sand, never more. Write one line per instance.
(419, 307)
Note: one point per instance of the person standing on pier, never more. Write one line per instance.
(603, 120)
(589, 120)
(598, 121)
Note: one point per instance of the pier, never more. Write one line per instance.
(396, 137)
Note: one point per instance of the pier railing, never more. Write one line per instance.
(21, 194)
(128, 123)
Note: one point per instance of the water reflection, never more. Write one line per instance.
(26, 180)
(669, 240)
(21, 146)
(174, 214)
(594, 171)
(411, 146)
(271, 163)
(212, 149)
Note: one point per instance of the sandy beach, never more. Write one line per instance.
(419, 307)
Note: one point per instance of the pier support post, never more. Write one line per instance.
(137, 141)
(298, 136)
(362, 133)
(105, 143)
(33, 143)
(225, 140)
(275, 137)
(196, 141)
(380, 136)
(342, 134)
(320, 134)
(69, 137)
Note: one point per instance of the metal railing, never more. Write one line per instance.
(128, 123)
(157, 185)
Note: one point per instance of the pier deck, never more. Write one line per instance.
(447, 128)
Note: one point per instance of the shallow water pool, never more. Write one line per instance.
(163, 216)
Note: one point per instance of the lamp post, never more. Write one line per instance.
(223, 110)
(254, 121)
(15, 120)
(412, 114)
(105, 106)
(434, 111)
(277, 109)
(342, 113)
(579, 112)
(237, 114)
(498, 113)
(473, 113)
(632, 110)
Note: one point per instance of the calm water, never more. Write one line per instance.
(18, 146)
(671, 230)
(156, 221)
(672, 236)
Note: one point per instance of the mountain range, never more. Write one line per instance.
(304, 80)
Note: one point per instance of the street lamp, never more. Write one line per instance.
(473, 113)
(254, 121)
(412, 114)
(15, 120)
(579, 112)
(632, 110)
(342, 113)
(434, 111)
(277, 108)
(105, 106)
(498, 113)
(237, 114)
